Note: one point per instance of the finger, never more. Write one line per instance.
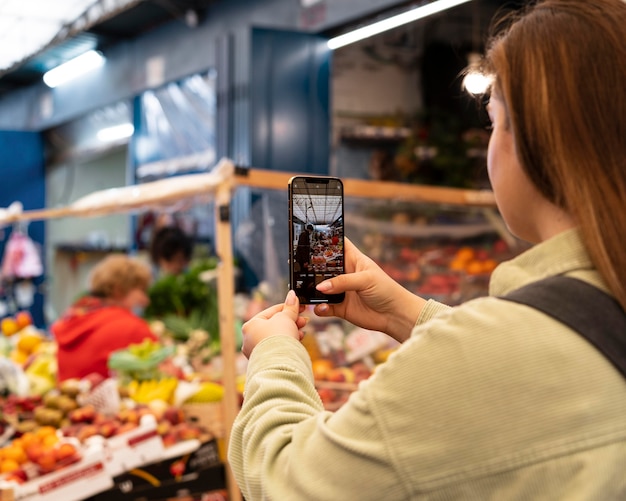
(342, 283)
(270, 312)
(350, 250)
(292, 306)
(324, 310)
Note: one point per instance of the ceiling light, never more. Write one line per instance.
(74, 68)
(477, 83)
(115, 133)
(392, 22)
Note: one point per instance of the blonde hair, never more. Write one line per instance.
(117, 274)
(560, 69)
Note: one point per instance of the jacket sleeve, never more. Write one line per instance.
(283, 444)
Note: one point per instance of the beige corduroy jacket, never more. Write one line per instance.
(490, 400)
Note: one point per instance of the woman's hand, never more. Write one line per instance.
(373, 299)
(278, 320)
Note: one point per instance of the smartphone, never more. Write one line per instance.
(316, 236)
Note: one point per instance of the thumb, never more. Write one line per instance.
(292, 305)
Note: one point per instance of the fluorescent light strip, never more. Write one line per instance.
(116, 132)
(74, 68)
(393, 22)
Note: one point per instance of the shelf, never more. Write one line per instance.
(374, 133)
(390, 228)
(87, 248)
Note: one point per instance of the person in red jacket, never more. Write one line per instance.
(105, 319)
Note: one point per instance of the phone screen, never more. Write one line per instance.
(316, 235)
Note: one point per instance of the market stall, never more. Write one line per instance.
(218, 186)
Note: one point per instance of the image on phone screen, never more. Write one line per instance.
(316, 236)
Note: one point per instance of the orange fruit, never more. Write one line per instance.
(9, 465)
(474, 268)
(19, 357)
(64, 451)
(28, 342)
(9, 326)
(15, 453)
(457, 264)
(47, 461)
(44, 431)
(465, 254)
(23, 318)
(49, 440)
(27, 439)
(489, 265)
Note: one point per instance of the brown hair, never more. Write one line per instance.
(117, 274)
(560, 69)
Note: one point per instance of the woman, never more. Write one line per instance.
(490, 399)
(171, 250)
(104, 320)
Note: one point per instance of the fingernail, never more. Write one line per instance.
(323, 308)
(324, 286)
(291, 298)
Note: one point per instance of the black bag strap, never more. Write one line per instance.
(591, 312)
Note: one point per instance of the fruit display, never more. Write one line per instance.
(439, 253)
(53, 431)
(140, 361)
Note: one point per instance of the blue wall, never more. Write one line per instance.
(22, 179)
(290, 102)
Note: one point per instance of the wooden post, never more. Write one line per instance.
(226, 293)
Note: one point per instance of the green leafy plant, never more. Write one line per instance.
(187, 302)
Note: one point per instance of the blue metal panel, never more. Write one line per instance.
(289, 101)
(22, 175)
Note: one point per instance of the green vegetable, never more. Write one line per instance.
(185, 303)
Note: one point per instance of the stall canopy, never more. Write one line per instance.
(175, 193)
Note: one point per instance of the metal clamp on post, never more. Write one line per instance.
(242, 171)
(224, 213)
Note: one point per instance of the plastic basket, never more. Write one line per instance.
(105, 397)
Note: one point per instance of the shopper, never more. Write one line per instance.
(303, 249)
(171, 250)
(105, 319)
(490, 400)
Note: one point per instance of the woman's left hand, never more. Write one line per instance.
(278, 320)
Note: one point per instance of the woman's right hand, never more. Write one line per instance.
(373, 299)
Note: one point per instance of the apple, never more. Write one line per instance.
(129, 416)
(88, 430)
(163, 427)
(327, 395)
(34, 452)
(177, 468)
(47, 461)
(65, 451)
(126, 427)
(185, 431)
(341, 375)
(174, 415)
(85, 414)
(169, 439)
(94, 379)
(108, 428)
(18, 476)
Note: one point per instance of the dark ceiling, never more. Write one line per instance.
(124, 26)
(144, 17)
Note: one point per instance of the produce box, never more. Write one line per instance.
(209, 416)
(190, 466)
(72, 483)
(133, 448)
